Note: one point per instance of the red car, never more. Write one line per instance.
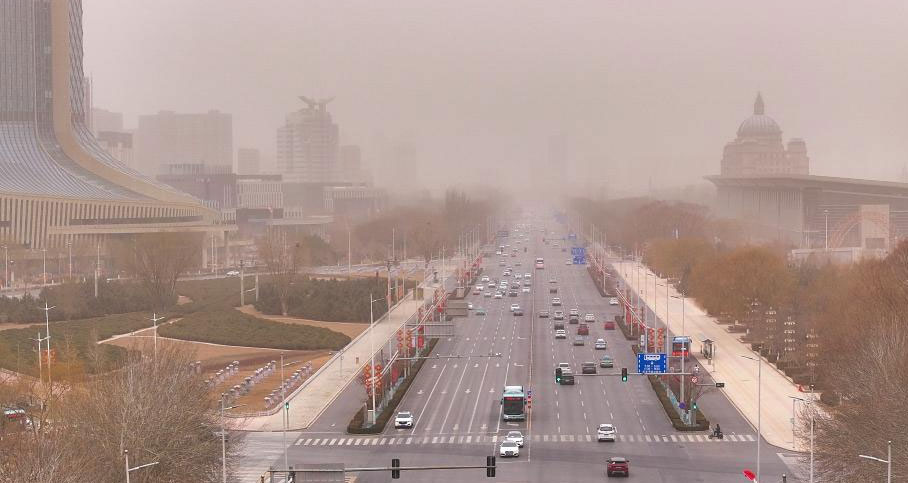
(583, 329)
(617, 465)
(609, 325)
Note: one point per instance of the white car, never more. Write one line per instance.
(560, 334)
(556, 301)
(613, 301)
(233, 273)
(568, 262)
(527, 276)
(516, 437)
(487, 294)
(525, 290)
(509, 449)
(589, 318)
(606, 432)
(559, 315)
(514, 307)
(469, 305)
(484, 279)
(600, 344)
(404, 419)
(498, 295)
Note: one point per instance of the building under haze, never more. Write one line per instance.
(308, 145)
(758, 148)
(248, 161)
(168, 138)
(57, 184)
(768, 188)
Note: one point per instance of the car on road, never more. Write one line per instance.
(501, 263)
(552, 280)
(469, 305)
(556, 302)
(543, 314)
(567, 377)
(517, 263)
(553, 289)
(518, 311)
(606, 432)
(560, 334)
(514, 307)
(525, 290)
(515, 285)
(513, 293)
(487, 294)
(490, 285)
(588, 368)
(484, 279)
(589, 318)
(233, 273)
(583, 329)
(578, 340)
(573, 319)
(559, 315)
(617, 465)
(509, 449)
(609, 325)
(568, 262)
(559, 325)
(477, 290)
(600, 345)
(515, 436)
(565, 366)
(574, 312)
(527, 276)
(498, 295)
(613, 301)
(606, 361)
(404, 419)
(480, 311)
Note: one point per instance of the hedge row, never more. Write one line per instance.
(213, 294)
(356, 424)
(702, 423)
(230, 327)
(73, 342)
(329, 300)
(77, 301)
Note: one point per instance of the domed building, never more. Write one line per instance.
(758, 148)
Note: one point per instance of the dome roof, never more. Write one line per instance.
(759, 125)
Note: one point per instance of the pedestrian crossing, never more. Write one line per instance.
(491, 439)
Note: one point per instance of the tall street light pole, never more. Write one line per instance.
(888, 460)
(826, 236)
(154, 319)
(372, 348)
(6, 265)
(759, 401)
(47, 310)
(44, 261)
(224, 440)
(684, 351)
(69, 244)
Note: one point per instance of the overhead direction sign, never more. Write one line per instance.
(578, 255)
(651, 363)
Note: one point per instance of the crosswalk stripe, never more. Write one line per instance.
(700, 438)
(630, 438)
(307, 442)
(409, 440)
(648, 440)
(451, 440)
(332, 442)
(359, 441)
(545, 437)
(382, 441)
(750, 437)
(731, 437)
(425, 440)
(340, 441)
(324, 442)
(435, 440)
(674, 439)
(495, 438)
(535, 437)
(298, 442)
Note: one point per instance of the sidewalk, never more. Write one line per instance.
(320, 390)
(738, 374)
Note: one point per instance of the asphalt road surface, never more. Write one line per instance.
(457, 410)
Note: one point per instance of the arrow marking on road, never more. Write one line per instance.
(434, 366)
(491, 390)
(476, 365)
(419, 392)
(467, 391)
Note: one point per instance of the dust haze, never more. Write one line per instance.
(604, 97)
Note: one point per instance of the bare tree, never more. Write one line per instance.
(283, 258)
(157, 260)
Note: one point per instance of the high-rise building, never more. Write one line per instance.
(119, 145)
(758, 149)
(169, 138)
(104, 120)
(57, 184)
(307, 145)
(248, 161)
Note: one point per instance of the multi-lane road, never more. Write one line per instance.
(457, 410)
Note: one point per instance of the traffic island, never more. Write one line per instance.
(357, 424)
(702, 423)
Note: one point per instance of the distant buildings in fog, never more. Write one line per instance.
(169, 138)
(308, 144)
(248, 161)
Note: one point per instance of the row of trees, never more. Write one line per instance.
(328, 300)
(157, 410)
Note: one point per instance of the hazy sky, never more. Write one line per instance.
(639, 88)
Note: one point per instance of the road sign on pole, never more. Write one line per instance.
(694, 379)
(651, 363)
(578, 255)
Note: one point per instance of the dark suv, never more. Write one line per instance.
(588, 368)
(617, 465)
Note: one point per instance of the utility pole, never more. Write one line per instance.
(6, 266)
(44, 260)
(70, 245)
(47, 325)
(97, 269)
(242, 281)
(154, 319)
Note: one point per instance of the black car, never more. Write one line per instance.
(588, 368)
(513, 293)
(567, 377)
(517, 311)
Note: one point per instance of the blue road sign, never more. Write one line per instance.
(651, 363)
(572, 236)
(578, 255)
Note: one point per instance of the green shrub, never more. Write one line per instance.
(214, 294)
(230, 327)
(74, 301)
(329, 300)
(702, 423)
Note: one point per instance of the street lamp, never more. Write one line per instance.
(372, 349)
(888, 460)
(826, 236)
(684, 351)
(44, 260)
(759, 401)
(154, 319)
(130, 470)
(793, 398)
(47, 310)
(6, 266)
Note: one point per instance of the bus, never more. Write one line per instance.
(513, 403)
(681, 346)
(540, 263)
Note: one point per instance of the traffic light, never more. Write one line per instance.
(693, 405)
(558, 374)
(395, 463)
(490, 467)
(623, 374)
